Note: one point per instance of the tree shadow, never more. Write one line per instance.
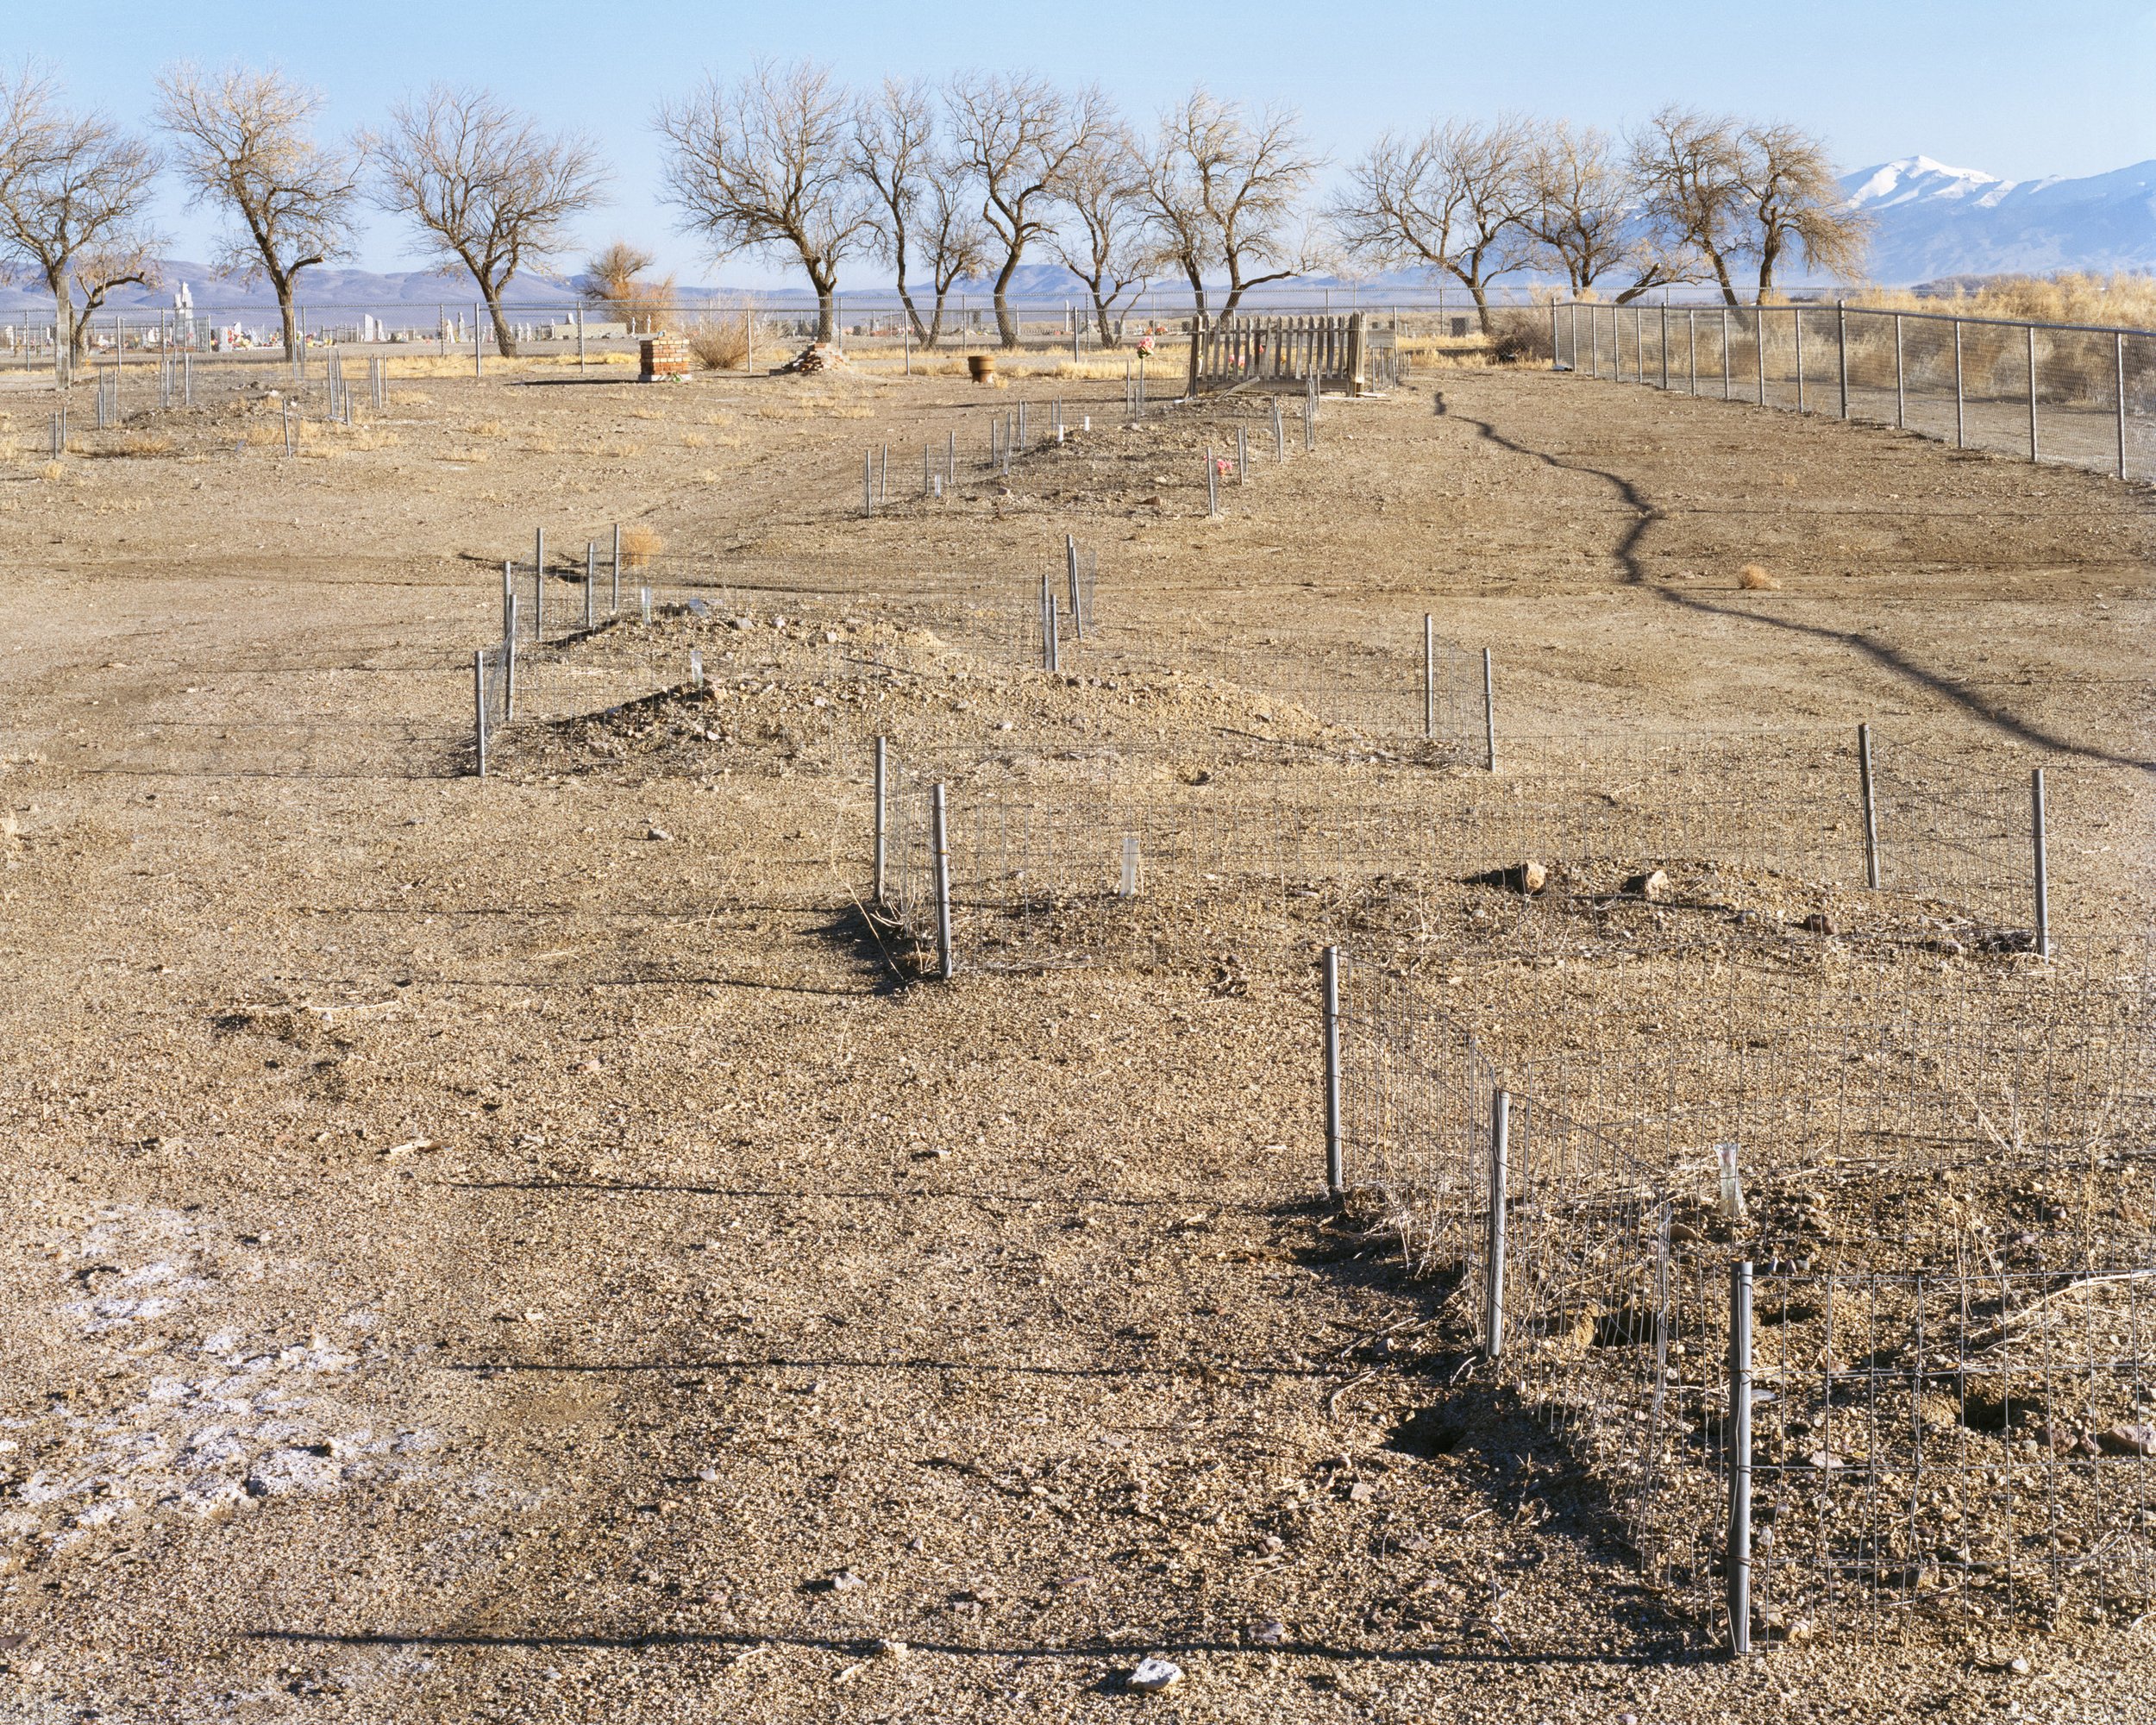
(1889, 658)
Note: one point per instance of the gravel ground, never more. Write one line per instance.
(469, 1258)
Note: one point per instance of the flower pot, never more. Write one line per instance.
(981, 367)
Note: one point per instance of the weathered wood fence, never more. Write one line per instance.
(1349, 353)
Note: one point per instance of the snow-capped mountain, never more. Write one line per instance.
(1933, 221)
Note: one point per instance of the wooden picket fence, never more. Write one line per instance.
(1345, 352)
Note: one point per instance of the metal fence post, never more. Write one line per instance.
(1429, 676)
(509, 664)
(1870, 808)
(2043, 874)
(591, 583)
(1070, 570)
(2118, 373)
(868, 483)
(1212, 485)
(509, 598)
(1901, 393)
(1666, 346)
(1489, 716)
(947, 960)
(1691, 351)
(2032, 391)
(1841, 352)
(1961, 439)
(1739, 1554)
(1796, 332)
(1048, 621)
(1335, 1152)
(1759, 351)
(1553, 334)
(1494, 1278)
(883, 827)
(479, 706)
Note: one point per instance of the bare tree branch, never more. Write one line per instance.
(485, 187)
(764, 165)
(74, 189)
(242, 139)
(613, 282)
(1019, 137)
(1797, 206)
(1103, 185)
(1582, 213)
(1687, 169)
(1454, 199)
(1224, 190)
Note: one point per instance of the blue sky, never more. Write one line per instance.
(2013, 90)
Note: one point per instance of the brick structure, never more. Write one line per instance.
(664, 356)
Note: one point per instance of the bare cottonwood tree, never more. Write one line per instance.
(73, 189)
(894, 151)
(1106, 248)
(1582, 214)
(1795, 205)
(1689, 169)
(243, 140)
(1019, 137)
(485, 187)
(764, 165)
(1733, 194)
(954, 238)
(1453, 199)
(1223, 193)
(614, 283)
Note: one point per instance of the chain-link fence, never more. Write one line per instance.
(2084, 396)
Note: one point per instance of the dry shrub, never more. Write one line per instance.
(639, 545)
(1519, 336)
(1754, 579)
(721, 344)
(693, 440)
(485, 428)
(58, 470)
(2070, 297)
(145, 444)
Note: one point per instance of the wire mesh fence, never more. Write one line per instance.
(1940, 1342)
(1850, 837)
(2083, 396)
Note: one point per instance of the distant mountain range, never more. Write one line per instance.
(1933, 223)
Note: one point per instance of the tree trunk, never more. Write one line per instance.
(1482, 302)
(905, 298)
(504, 340)
(827, 314)
(291, 320)
(1103, 321)
(1006, 325)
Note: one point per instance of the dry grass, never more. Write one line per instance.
(639, 545)
(2071, 296)
(694, 440)
(485, 428)
(144, 443)
(1754, 579)
(58, 470)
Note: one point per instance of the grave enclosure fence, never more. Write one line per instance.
(1755, 1279)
